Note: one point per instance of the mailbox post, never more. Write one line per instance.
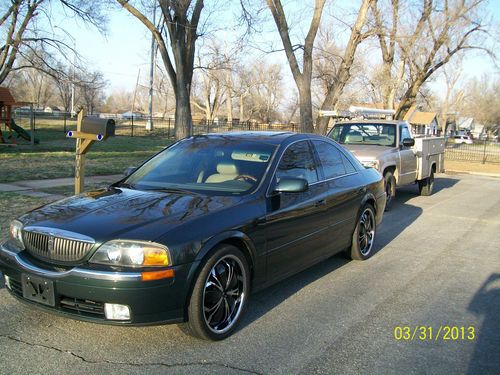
(88, 130)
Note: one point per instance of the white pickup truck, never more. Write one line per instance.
(391, 148)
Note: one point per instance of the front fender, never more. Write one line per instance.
(225, 236)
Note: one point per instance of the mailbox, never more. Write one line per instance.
(99, 126)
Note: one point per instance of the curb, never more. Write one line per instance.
(453, 171)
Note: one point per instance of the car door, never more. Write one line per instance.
(295, 222)
(408, 159)
(345, 191)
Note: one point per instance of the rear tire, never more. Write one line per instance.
(426, 186)
(220, 294)
(390, 189)
(364, 234)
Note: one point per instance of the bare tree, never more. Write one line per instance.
(212, 86)
(301, 75)
(179, 26)
(443, 30)
(343, 73)
(22, 32)
(91, 86)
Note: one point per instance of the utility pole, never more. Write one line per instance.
(73, 84)
(149, 124)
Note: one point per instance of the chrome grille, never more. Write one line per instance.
(56, 245)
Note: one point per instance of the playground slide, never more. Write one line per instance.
(21, 132)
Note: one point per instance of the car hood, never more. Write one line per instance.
(123, 213)
(369, 152)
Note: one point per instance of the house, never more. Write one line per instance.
(422, 123)
(467, 125)
(54, 110)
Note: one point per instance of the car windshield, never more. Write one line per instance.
(222, 165)
(365, 134)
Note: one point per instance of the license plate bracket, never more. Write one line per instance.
(38, 289)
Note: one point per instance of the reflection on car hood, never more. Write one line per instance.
(369, 152)
(123, 213)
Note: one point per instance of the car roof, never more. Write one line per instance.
(264, 136)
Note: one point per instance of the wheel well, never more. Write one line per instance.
(240, 244)
(391, 169)
(371, 201)
(433, 168)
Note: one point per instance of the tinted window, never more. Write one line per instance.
(298, 161)
(214, 165)
(349, 168)
(330, 158)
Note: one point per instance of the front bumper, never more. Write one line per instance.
(81, 293)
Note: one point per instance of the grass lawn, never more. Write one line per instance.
(12, 205)
(54, 156)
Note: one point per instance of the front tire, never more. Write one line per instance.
(390, 189)
(220, 294)
(364, 234)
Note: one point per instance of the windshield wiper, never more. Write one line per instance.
(173, 190)
(125, 185)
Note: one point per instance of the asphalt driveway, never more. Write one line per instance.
(437, 264)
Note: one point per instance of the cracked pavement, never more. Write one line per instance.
(437, 263)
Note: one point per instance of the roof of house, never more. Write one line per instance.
(423, 118)
(6, 97)
(419, 118)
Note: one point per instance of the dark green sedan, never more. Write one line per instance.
(188, 235)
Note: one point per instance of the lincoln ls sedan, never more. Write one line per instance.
(188, 235)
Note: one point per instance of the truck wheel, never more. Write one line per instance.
(390, 189)
(364, 234)
(425, 186)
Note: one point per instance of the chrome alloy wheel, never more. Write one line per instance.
(366, 233)
(224, 294)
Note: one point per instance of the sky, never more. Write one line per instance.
(125, 50)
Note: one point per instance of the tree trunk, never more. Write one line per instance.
(305, 104)
(242, 109)
(183, 119)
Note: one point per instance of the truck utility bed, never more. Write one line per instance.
(429, 150)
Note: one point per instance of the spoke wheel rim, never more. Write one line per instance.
(366, 233)
(224, 294)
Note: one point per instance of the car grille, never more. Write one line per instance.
(83, 307)
(47, 246)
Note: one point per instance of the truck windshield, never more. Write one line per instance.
(365, 134)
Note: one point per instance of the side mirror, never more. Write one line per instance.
(291, 185)
(408, 142)
(127, 172)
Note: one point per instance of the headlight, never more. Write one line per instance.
(371, 164)
(131, 254)
(16, 236)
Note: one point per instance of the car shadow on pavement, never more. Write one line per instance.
(401, 215)
(486, 303)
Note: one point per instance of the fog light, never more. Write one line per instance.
(116, 312)
(7, 282)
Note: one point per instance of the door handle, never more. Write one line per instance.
(320, 203)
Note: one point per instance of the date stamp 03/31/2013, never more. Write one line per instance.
(434, 333)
